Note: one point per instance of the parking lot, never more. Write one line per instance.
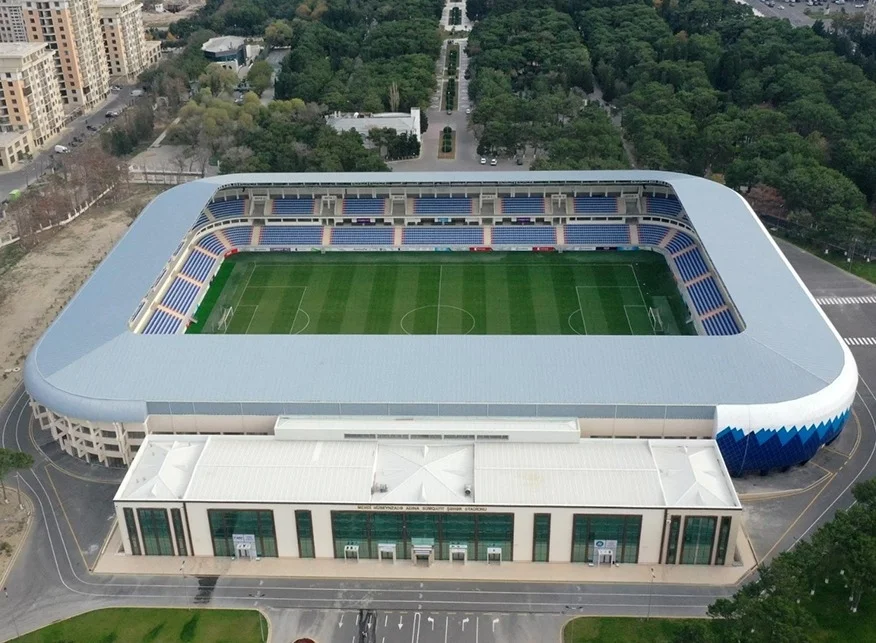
(801, 14)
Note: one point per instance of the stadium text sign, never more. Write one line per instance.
(414, 508)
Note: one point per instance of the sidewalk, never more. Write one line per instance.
(114, 563)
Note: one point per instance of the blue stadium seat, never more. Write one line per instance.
(180, 295)
(598, 234)
(721, 324)
(363, 206)
(651, 235)
(705, 295)
(201, 220)
(212, 244)
(363, 236)
(679, 242)
(667, 206)
(238, 235)
(523, 205)
(228, 209)
(292, 206)
(442, 205)
(443, 235)
(304, 235)
(162, 323)
(595, 205)
(690, 264)
(198, 266)
(524, 235)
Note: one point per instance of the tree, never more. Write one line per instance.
(218, 79)
(259, 76)
(13, 461)
(278, 34)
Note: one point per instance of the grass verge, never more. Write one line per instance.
(126, 625)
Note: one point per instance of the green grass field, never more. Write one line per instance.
(602, 293)
(132, 625)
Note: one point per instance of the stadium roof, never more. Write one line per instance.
(595, 472)
(90, 365)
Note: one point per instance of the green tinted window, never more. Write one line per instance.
(541, 538)
(304, 527)
(131, 527)
(226, 523)
(156, 532)
(696, 546)
(179, 533)
(672, 545)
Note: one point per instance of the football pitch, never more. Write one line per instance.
(448, 293)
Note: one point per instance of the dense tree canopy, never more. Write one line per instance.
(529, 73)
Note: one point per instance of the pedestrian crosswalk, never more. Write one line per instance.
(839, 301)
(860, 341)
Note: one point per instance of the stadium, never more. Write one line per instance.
(451, 338)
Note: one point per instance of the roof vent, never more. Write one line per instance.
(379, 488)
(467, 490)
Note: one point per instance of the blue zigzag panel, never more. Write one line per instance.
(774, 449)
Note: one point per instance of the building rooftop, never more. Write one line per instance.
(223, 43)
(592, 472)
(788, 360)
(20, 49)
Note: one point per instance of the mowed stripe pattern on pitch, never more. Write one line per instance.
(516, 295)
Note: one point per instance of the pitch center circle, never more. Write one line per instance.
(437, 309)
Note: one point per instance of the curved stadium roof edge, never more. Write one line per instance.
(787, 362)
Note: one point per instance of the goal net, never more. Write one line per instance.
(656, 321)
(225, 319)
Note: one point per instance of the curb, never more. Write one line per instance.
(29, 508)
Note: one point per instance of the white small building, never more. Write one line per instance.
(363, 123)
(431, 491)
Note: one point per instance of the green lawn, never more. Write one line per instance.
(452, 293)
(155, 625)
(628, 630)
(835, 623)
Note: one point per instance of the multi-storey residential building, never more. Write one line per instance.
(12, 22)
(29, 92)
(127, 52)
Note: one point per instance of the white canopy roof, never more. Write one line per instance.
(590, 473)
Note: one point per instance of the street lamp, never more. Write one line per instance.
(182, 569)
(650, 593)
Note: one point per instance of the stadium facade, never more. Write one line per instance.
(766, 376)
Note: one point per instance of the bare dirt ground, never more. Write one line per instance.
(152, 19)
(13, 524)
(40, 283)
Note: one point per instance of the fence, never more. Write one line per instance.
(148, 176)
(70, 217)
(860, 249)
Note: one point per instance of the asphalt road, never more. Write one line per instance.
(51, 579)
(19, 179)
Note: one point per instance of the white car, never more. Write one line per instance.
(483, 161)
(468, 110)
(494, 162)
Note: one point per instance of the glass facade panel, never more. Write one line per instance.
(304, 527)
(696, 546)
(156, 532)
(459, 529)
(541, 538)
(723, 537)
(495, 530)
(224, 523)
(133, 536)
(388, 529)
(587, 528)
(672, 545)
(476, 531)
(179, 533)
(350, 528)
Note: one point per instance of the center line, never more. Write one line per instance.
(438, 315)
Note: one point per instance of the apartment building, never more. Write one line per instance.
(31, 112)
(12, 22)
(127, 52)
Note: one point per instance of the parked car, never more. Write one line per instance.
(91, 127)
(519, 161)
(111, 114)
(61, 149)
(494, 162)
(483, 161)
(115, 88)
(468, 110)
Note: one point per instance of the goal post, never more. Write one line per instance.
(656, 320)
(225, 319)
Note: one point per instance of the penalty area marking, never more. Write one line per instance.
(414, 310)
